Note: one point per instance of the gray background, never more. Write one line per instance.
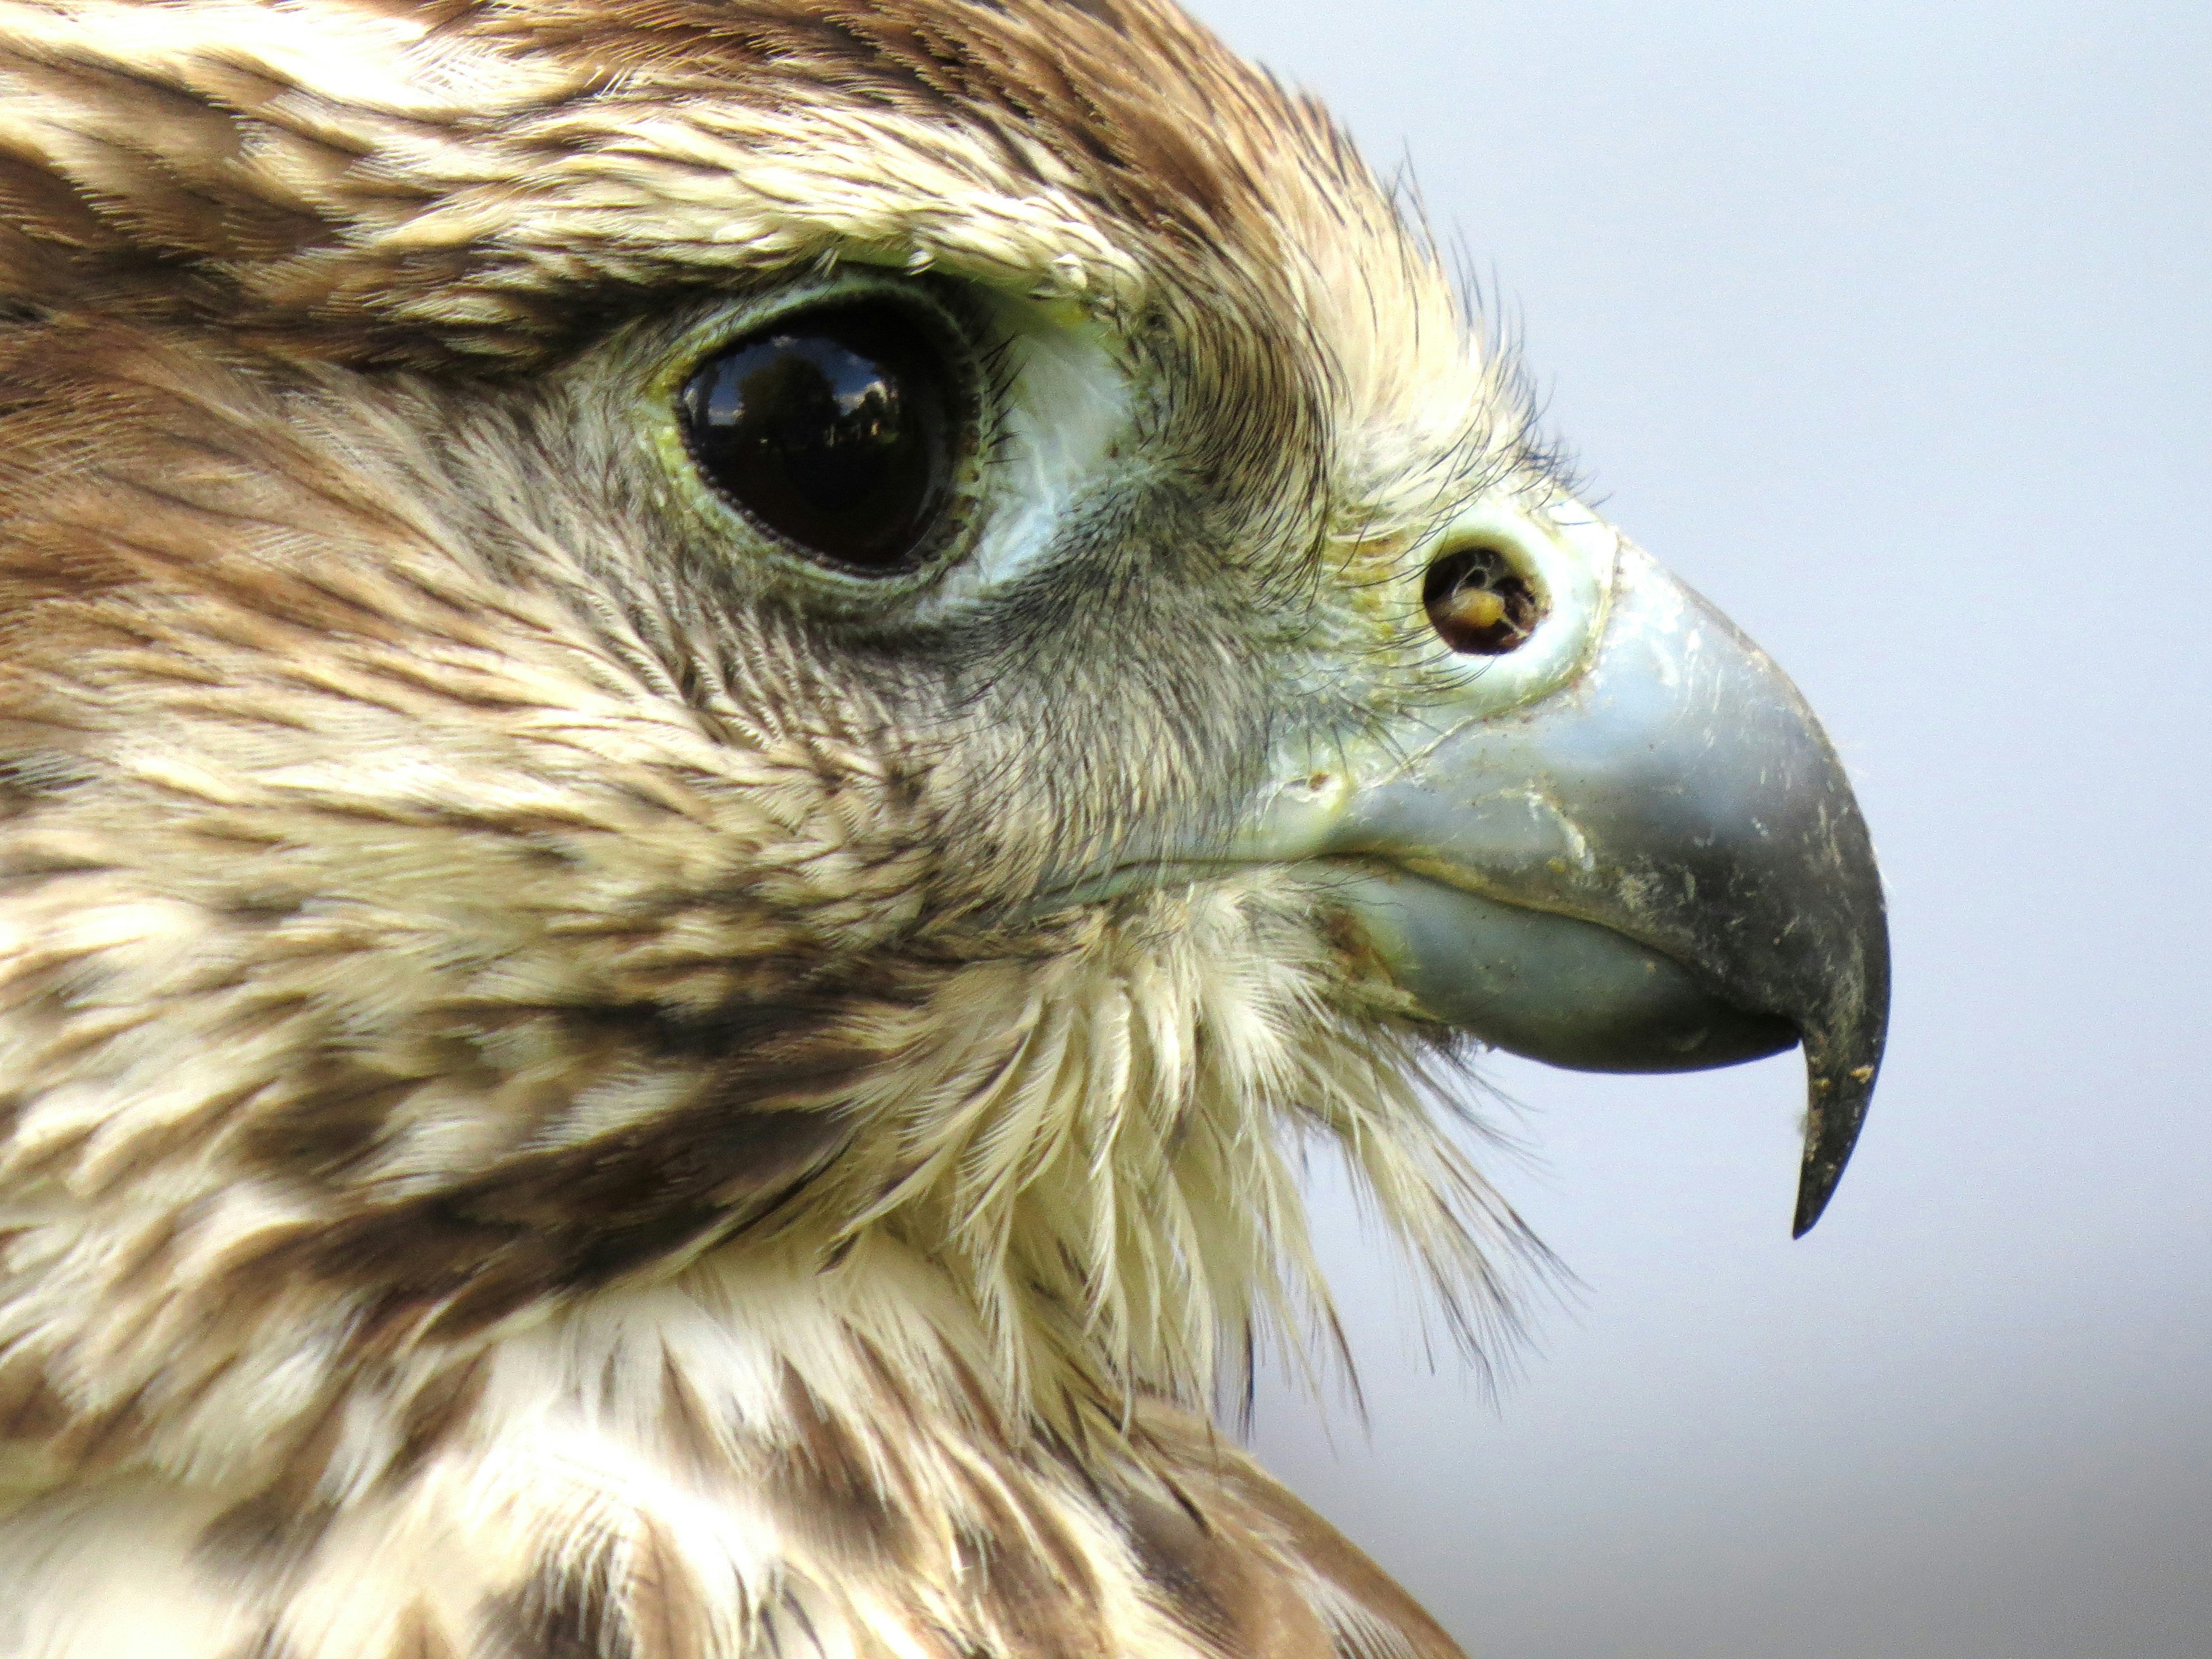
(1890, 327)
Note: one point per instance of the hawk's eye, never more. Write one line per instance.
(837, 428)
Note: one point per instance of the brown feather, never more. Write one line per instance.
(541, 1116)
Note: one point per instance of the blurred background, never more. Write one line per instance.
(1889, 327)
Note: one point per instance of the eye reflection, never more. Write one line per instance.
(835, 430)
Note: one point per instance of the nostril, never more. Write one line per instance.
(1478, 603)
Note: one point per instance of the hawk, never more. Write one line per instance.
(723, 723)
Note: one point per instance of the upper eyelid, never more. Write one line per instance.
(706, 335)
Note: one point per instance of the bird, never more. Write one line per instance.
(724, 728)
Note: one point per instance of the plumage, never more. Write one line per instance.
(563, 1093)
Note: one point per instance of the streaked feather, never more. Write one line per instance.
(537, 1119)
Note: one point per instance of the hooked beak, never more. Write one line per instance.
(1655, 865)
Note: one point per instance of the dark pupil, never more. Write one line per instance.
(832, 428)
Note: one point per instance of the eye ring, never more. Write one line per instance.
(843, 427)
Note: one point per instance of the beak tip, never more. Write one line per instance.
(1811, 1199)
(1832, 1120)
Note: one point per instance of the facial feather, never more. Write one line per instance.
(542, 1114)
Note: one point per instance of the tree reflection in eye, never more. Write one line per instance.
(835, 429)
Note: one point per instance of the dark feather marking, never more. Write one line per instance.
(1184, 1564)
(340, 1110)
(565, 1609)
(97, 1440)
(30, 1408)
(616, 1598)
(827, 1482)
(437, 1409)
(288, 1518)
(1258, 1546)
(684, 1422)
(178, 220)
(791, 1603)
(666, 1612)
(572, 1220)
(550, 1221)
(1048, 1602)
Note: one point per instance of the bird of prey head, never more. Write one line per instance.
(721, 724)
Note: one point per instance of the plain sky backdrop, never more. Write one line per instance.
(1888, 325)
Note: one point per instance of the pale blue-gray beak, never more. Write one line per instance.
(1653, 863)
